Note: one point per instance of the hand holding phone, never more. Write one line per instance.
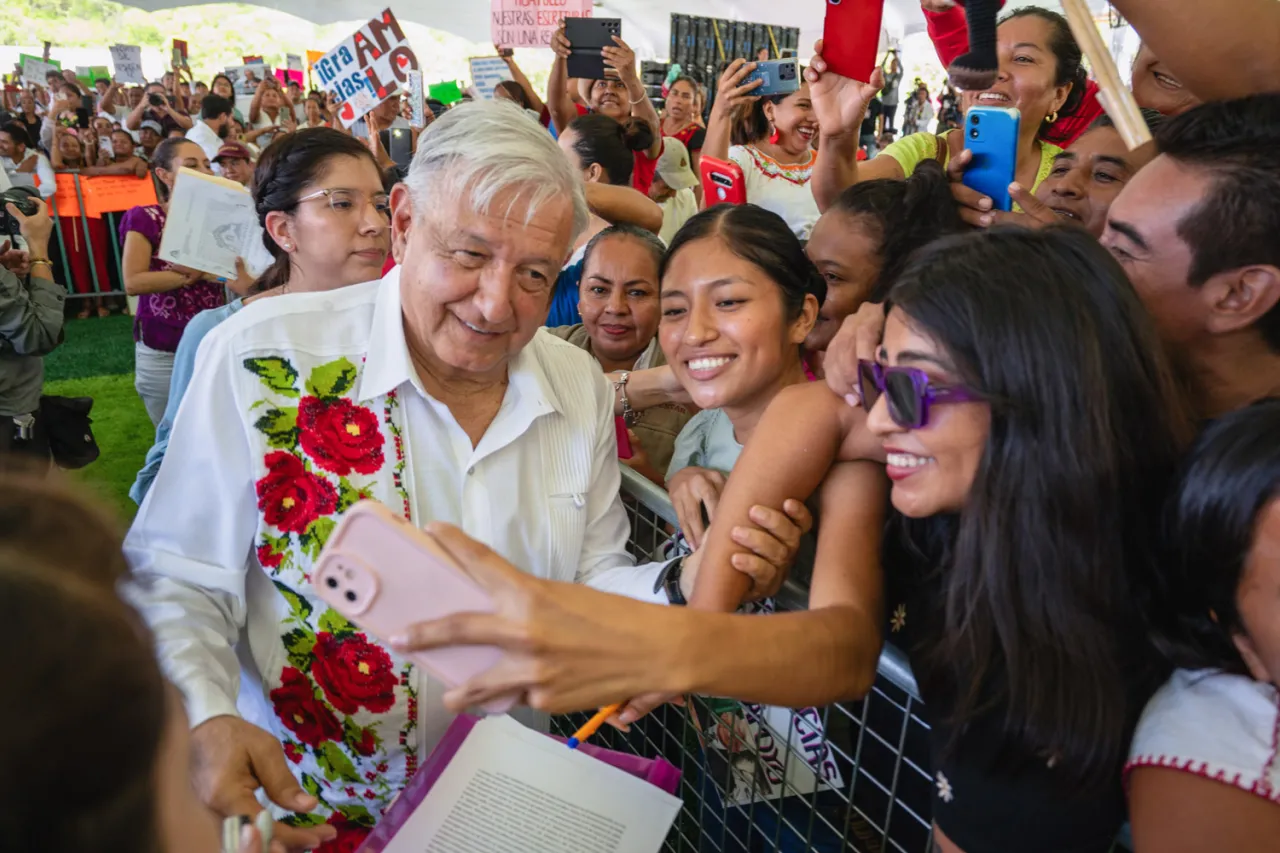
(385, 575)
(851, 37)
(588, 37)
(776, 76)
(991, 135)
(722, 181)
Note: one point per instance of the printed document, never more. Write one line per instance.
(211, 222)
(510, 788)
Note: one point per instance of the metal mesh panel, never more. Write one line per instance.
(847, 777)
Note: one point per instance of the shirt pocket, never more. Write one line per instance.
(566, 529)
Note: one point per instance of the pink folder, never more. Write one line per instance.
(656, 771)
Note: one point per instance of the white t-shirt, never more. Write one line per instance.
(780, 187)
(1216, 725)
(265, 120)
(676, 211)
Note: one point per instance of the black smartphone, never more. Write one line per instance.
(506, 52)
(587, 37)
(400, 148)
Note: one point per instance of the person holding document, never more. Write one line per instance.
(430, 390)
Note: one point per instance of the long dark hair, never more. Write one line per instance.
(1230, 475)
(904, 215)
(515, 92)
(749, 124)
(760, 237)
(601, 139)
(290, 163)
(1043, 571)
(1067, 53)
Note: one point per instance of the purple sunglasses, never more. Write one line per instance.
(909, 392)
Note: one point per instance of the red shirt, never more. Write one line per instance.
(950, 36)
(644, 170)
(692, 137)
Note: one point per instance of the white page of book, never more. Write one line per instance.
(211, 222)
(509, 788)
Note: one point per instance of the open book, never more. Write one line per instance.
(511, 788)
(211, 222)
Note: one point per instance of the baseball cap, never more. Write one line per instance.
(234, 150)
(152, 125)
(673, 165)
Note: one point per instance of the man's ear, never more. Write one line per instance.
(1239, 298)
(401, 220)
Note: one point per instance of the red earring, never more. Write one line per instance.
(773, 137)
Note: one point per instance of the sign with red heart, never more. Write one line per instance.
(367, 67)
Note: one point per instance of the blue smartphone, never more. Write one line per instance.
(780, 76)
(991, 133)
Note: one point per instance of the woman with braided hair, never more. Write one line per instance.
(326, 221)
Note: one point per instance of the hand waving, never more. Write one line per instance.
(839, 102)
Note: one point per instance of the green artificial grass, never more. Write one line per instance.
(124, 434)
(96, 360)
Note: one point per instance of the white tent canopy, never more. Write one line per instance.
(646, 23)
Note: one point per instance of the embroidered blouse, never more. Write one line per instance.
(298, 407)
(780, 187)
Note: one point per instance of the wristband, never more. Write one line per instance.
(669, 582)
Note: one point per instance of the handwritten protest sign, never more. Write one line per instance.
(126, 59)
(531, 23)
(65, 202)
(486, 73)
(114, 193)
(367, 66)
(36, 70)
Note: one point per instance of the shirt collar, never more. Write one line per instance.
(387, 364)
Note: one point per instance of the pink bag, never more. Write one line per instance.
(655, 771)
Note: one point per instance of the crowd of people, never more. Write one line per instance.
(1035, 449)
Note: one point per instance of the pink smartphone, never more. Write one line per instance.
(624, 440)
(384, 574)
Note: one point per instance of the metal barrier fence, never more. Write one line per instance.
(847, 777)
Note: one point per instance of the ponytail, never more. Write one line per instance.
(600, 139)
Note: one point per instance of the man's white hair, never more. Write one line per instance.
(479, 151)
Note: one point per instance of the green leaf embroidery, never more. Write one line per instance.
(335, 764)
(276, 373)
(298, 644)
(353, 735)
(312, 787)
(302, 820)
(348, 495)
(333, 623)
(301, 609)
(280, 426)
(316, 534)
(332, 380)
(356, 814)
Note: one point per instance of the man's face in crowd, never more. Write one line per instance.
(8, 148)
(121, 144)
(1142, 233)
(135, 96)
(237, 169)
(1087, 177)
(476, 287)
(1156, 88)
(102, 86)
(149, 138)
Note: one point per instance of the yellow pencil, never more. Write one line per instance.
(593, 725)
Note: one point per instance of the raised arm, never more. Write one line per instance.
(622, 59)
(558, 101)
(134, 119)
(255, 106)
(518, 76)
(108, 104)
(1219, 51)
(841, 105)
(730, 94)
(624, 204)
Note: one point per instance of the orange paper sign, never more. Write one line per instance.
(64, 201)
(114, 193)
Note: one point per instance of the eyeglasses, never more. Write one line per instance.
(908, 392)
(349, 202)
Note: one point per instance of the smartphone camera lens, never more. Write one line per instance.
(350, 596)
(973, 133)
(975, 119)
(332, 583)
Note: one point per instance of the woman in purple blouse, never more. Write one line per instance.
(170, 295)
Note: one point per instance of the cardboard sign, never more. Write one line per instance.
(531, 23)
(288, 76)
(367, 67)
(114, 193)
(35, 69)
(65, 202)
(486, 73)
(87, 74)
(417, 103)
(293, 62)
(126, 59)
(179, 53)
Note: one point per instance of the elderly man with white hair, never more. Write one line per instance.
(432, 391)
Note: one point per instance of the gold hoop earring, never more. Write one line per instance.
(1051, 117)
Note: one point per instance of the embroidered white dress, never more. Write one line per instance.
(780, 187)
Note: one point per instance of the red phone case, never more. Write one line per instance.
(722, 182)
(624, 440)
(851, 37)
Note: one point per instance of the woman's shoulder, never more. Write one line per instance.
(139, 217)
(575, 334)
(1214, 724)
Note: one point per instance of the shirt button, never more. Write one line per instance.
(471, 470)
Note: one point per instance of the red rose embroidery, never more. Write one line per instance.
(301, 712)
(354, 672)
(367, 745)
(292, 497)
(268, 559)
(350, 835)
(340, 436)
(293, 752)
